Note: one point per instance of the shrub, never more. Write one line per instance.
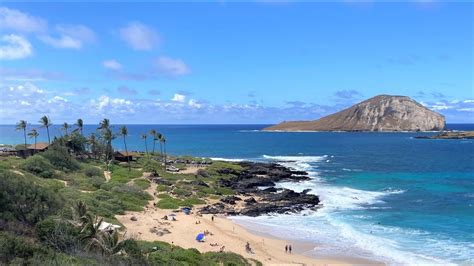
(23, 200)
(150, 165)
(39, 166)
(93, 171)
(203, 173)
(58, 234)
(12, 247)
(60, 158)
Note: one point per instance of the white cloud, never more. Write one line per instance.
(59, 99)
(139, 36)
(13, 19)
(194, 103)
(70, 37)
(171, 67)
(14, 47)
(179, 98)
(468, 101)
(112, 64)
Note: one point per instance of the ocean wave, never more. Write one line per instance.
(308, 159)
(227, 159)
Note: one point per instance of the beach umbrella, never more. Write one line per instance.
(200, 237)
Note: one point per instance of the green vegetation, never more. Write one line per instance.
(54, 202)
(39, 166)
(59, 156)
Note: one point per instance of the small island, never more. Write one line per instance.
(450, 135)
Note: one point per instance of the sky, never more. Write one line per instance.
(231, 62)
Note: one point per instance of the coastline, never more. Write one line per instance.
(226, 232)
(148, 225)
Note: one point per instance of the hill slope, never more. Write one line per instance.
(380, 113)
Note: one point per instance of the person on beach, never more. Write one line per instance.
(212, 218)
(289, 249)
(286, 248)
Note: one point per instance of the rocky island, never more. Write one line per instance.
(380, 113)
(450, 135)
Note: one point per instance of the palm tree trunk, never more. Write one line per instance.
(24, 134)
(164, 144)
(47, 129)
(146, 147)
(126, 151)
(35, 146)
(161, 150)
(153, 151)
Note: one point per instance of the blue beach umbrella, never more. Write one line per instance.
(200, 237)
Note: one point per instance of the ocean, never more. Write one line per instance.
(385, 196)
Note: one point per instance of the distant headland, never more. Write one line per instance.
(380, 113)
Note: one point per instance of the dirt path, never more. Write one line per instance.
(107, 175)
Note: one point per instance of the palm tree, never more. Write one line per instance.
(46, 122)
(124, 133)
(80, 125)
(163, 140)
(108, 137)
(153, 134)
(34, 134)
(22, 126)
(104, 124)
(145, 136)
(65, 128)
(92, 140)
(158, 137)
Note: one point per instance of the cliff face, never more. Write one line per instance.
(380, 113)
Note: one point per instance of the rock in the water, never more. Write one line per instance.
(380, 113)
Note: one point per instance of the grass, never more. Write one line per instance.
(142, 183)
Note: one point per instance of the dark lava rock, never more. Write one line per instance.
(270, 189)
(250, 201)
(231, 200)
(213, 209)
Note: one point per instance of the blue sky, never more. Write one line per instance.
(225, 62)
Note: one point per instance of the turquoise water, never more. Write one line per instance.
(386, 195)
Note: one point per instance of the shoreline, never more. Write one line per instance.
(148, 225)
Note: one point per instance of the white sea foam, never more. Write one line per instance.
(227, 159)
(310, 159)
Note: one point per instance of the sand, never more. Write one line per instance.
(223, 231)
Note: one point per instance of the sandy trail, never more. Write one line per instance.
(107, 176)
(223, 232)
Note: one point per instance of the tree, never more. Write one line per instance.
(22, 126)
(92, 140)
(104, 124)
(163, 140)
(34, 134)
(158, 137)
(65, 128)
(145, 136)
(124, 133)
(80, 125)
(108, 136)
(46, 122)
(153, 135)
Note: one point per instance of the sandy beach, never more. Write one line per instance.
(150, 226)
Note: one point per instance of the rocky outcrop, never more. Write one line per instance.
(450, 135)
(380, 113)
(258, 181)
